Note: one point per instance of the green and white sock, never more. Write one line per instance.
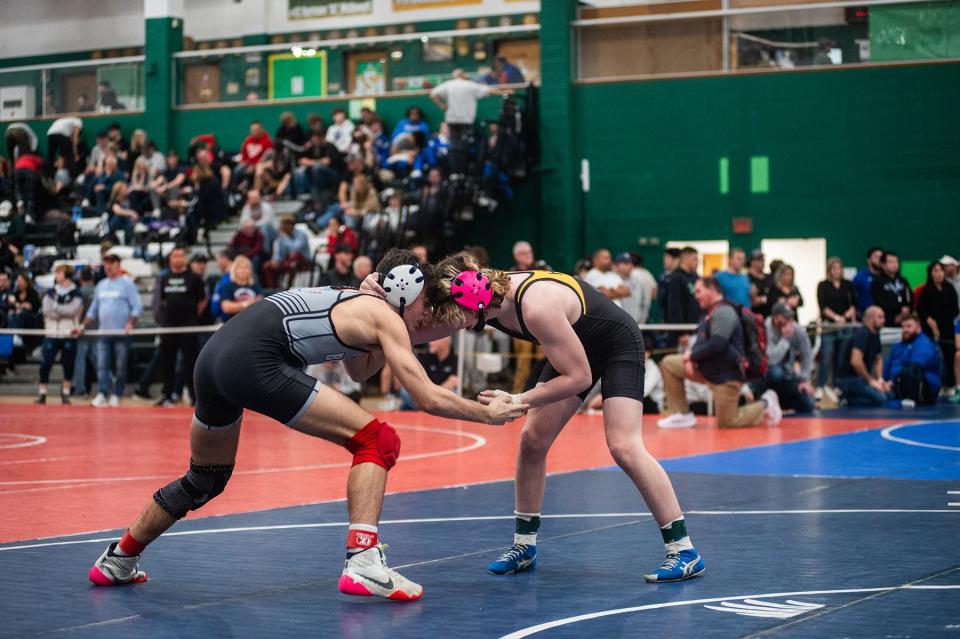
(525, 532)
(675, 536)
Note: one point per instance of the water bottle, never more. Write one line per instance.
(28, 252)
(77, 214)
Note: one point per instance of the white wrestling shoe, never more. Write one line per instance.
(678, 420)
(112, 569)
(773, 411)
(366, 574)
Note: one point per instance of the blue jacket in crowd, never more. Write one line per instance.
(862, 284)
(921, 351)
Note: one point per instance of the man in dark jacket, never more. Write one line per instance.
(891, 291)
(913, 366)
(682, 306)
(715, 360)
(178, 300)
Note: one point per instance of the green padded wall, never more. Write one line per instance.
(860, 156)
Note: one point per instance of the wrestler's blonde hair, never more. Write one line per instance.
(446, 311)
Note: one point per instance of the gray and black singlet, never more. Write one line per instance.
(256, 360)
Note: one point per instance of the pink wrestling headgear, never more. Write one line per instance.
(471, 290)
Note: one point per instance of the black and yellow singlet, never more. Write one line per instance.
(610, 337)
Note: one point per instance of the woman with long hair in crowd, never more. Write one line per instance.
(838, 307)
(122, 215)
(937, 306)
(240, 291)
(785, 287)
(62, 308)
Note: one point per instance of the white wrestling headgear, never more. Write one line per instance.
(403, 285)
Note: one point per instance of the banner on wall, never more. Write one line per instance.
(402, 5)
(312, 9)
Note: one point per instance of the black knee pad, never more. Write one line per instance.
(193, 490)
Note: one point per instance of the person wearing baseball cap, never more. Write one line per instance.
(950, 271)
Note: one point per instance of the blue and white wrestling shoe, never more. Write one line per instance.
(677, 567)
(516, 558)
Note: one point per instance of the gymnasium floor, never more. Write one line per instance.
(843, 525)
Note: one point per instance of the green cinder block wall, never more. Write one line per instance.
(858, 156)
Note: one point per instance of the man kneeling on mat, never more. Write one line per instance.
(256, 362)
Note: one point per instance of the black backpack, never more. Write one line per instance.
(754, 359)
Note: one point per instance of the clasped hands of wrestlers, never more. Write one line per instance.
(505, 407)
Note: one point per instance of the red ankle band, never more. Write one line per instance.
(129, 545)
(361, 539)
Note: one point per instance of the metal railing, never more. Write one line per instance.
(732, 38)
(84, 87)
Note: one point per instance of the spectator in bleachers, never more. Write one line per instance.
(863, 281)
(412, 123)
(785, 289)
(951, 271)
(98, 154)
(761, 284)
(315, 125)
(20, 139)
(252, 151)
(438, 147)
(912, 369)
(13, 232)
(273, 176)
(714, 360)
(62, 183)
(937, 307)
(637, 304)
(788, 346)
(23, 304)
(320, 167)
(340, 133)
(27, 173)
(261, 213)
(890, 291)
(291, 252)
(116, 307)
(290, 130)
(339, 233)
(861, 371)
(682, 307)
(379, 141)
(248, 241)
(734, 282)
(62, 308)
(239, 289)
(169, 183)
(837, 301)
(138, 190)
(123, 217)
(605, 279)
(104, 182)
(357, 197)
(84, 344)
(210, 205)
(458, 98)
(7, 298)
(156, 164)
(107, 98)
(138, 146)
(340, 274)
(503, 72)
(178, 297)
(362, 266)
(63, 138)
(120, 145)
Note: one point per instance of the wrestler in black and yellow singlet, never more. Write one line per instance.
(610, 337)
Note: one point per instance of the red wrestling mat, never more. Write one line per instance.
(75, 469)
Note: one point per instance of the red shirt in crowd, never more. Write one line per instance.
(30, 161)
(345, 236)
(249, 245)
(254, 148)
